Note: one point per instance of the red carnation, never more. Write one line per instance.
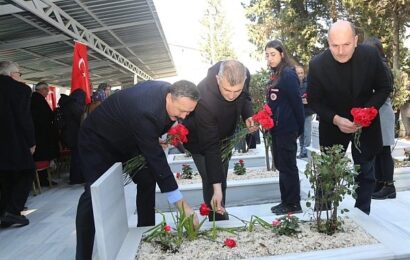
(230, 243)
(178, 175)
(362, 117)
(167, 228)
(177, 134)
(204, 210)
(264, 118)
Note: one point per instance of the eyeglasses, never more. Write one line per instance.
(18, 72)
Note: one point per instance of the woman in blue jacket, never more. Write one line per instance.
(284, 99)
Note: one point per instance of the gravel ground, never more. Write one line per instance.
(261, 242)
(251, 173)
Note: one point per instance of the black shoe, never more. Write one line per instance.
(5, 224)
(277, 207)
(387, 192)
(379, 185)
(283, 209)
(9, 219)
(218, 217)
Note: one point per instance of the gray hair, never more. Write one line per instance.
(233, 71)
(184, 88)
(41, 85)
(7, 67)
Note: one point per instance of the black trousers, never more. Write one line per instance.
(366, 180)
(284, 149)
(145, 200)
(207, 188)
(15, 187)
(85, 218)
(76, 175)
(384, 165)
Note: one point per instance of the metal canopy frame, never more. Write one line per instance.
(122, 44)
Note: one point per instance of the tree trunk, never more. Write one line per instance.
(396, 40)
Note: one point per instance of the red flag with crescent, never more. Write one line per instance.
(80, 78)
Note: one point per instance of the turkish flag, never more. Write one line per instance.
(80, 78)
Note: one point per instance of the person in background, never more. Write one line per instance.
(224, 99)
(103, 91)
(17, 145)
(283, 97)
(305, 138)
(73, 107)
(45, 130)
(384, 164)
(127, 124)
(345, 76)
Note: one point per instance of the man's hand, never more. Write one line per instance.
(183, 205)
(216, 201)
(250, 124)
(345, 125)
(163, 144)
(32, 149)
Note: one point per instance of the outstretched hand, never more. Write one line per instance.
(216, 200)
(183, 205)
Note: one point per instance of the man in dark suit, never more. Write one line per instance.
(17, 145)
(224, 98)
(126, 124)
(348, 75)
(44, 128)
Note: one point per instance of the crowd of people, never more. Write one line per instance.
(118, 127)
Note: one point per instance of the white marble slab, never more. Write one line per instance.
(110, 214)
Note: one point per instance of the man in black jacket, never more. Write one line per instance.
(45, 131)
(17, 145)
(342, 77)
(126, 124)
(224, 98)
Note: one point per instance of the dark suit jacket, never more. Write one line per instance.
(214, 120)
(45, 131)
(16, 131)
(329, 94)
(128, 123)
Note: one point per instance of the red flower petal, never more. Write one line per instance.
(230, 243)
(204, 210)
(167, 228)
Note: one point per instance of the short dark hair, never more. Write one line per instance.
(184, 88)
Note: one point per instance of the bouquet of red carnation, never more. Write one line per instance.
(176, 135)
(264, 118)
(265, 122)
(362, 117)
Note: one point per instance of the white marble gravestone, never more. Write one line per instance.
(315, 135)
(112, 234)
